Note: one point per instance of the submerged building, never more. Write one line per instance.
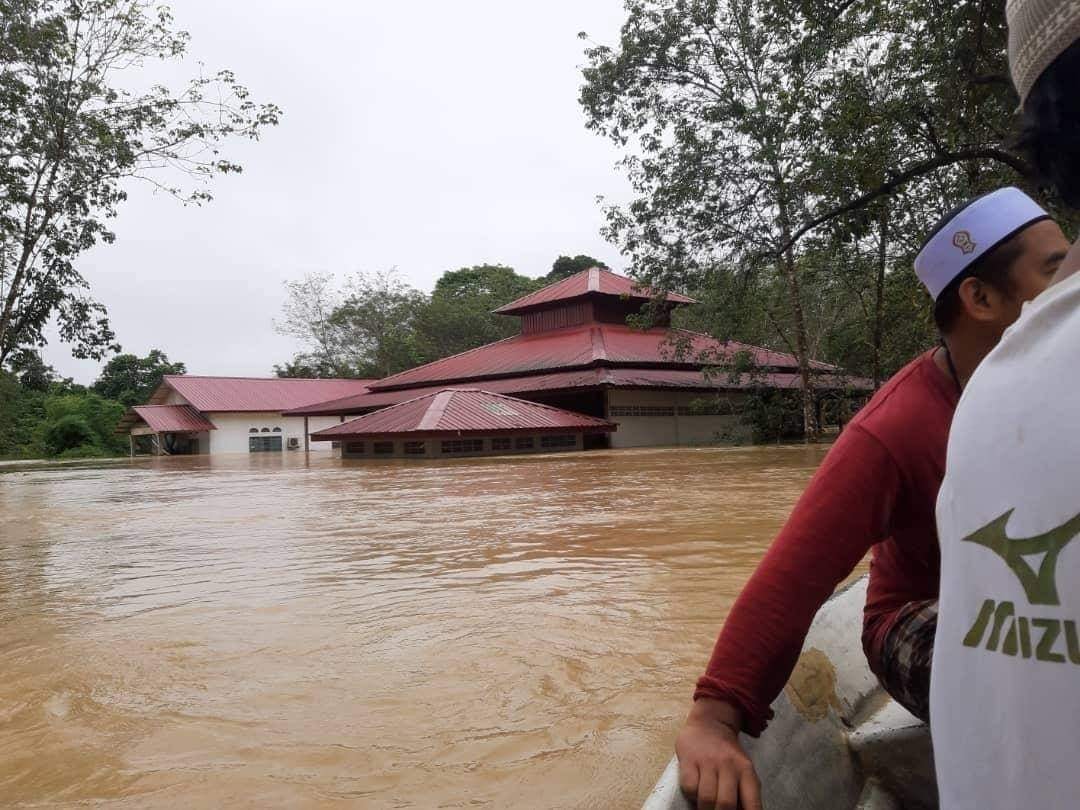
(191, 415)
(463, 422)
(611, 385)
(576, 352)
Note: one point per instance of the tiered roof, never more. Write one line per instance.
(586, 344)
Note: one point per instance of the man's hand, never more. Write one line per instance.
(714, 770)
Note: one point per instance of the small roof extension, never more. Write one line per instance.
(464, 412)
(166, 419)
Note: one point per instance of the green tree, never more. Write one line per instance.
(305, 367)
(98, 414)
(69, 433)
(566, 266)
(364, 329)
(72, 135)
(791, 154)
(32, 371)
(717, 108)
(130, 380)
(460, 312)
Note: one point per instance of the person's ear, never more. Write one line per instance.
(980, 300)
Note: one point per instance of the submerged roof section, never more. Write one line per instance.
(583, 346)
(239, 394)
(595, 280)
(168, 419)
(461, 411)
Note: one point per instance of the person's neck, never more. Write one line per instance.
(966, 351)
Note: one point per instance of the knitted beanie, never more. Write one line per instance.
(1039, 32)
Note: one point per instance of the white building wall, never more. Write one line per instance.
(234, 429)
(659, 418)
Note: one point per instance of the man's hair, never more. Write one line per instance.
(992, 268)
(1051, 130)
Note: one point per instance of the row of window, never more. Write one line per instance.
(450, 447)
(265, 430)
(642, 410)
(709, 409)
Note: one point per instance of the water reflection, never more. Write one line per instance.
(279, 632)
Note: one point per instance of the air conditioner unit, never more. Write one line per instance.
(294, 443)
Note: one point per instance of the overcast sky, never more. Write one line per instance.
(425, 135)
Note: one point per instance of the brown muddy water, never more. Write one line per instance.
(269, 632)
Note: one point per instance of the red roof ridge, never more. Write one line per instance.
(584, 282)
(752, 346)
(379, 383)
(598, 345)
(266, 379)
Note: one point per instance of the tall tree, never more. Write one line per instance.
(717, 109)
(72, 135)
(566, 266)
(802, 147)
(367, 328)
(459, 314)
(130, 379)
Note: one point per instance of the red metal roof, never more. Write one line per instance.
(458, 411)
(173, 418)
(592, 378)
(583, 346)
(216, 394)
(595, 280)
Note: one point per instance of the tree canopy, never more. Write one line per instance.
(73, 136)
(566, 266)
(786, 158)
(130, 380)
(374, 325)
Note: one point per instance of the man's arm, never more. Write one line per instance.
(845, 510)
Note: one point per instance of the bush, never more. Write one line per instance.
(99, 414)
(68, 433)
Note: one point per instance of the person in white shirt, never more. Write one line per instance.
(1005, 689)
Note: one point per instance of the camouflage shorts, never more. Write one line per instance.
(907, 655)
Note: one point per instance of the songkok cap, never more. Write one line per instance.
(1039, 32)
(979, 228)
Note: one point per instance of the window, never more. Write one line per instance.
(558, 441)
(524, 443)
(463, 446)
(356, 448)
(264, 444)
(415, 448)
(702, 408)
(253, 430)
(500, 444)
(266, 430)
(382, 448)
(277, 430)
(642, 410)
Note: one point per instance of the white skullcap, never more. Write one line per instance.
(1039, 32)
(974, 232)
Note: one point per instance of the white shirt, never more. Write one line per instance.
(1005, 688)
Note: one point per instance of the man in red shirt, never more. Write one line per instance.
(876, 489)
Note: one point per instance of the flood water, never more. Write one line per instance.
(270, 632)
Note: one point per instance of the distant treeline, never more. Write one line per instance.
(45, 416)
(372, 325)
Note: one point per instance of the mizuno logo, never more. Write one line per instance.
(1040, 586)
